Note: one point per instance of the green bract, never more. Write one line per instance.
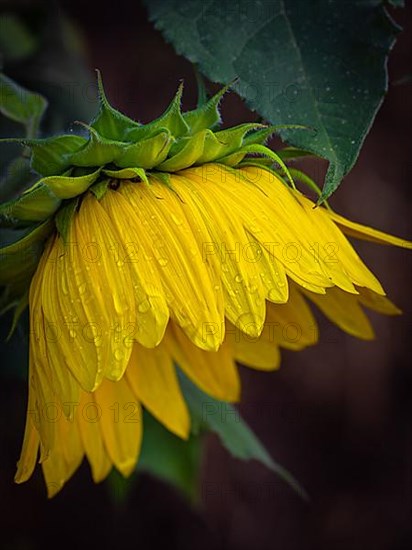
(114, 147)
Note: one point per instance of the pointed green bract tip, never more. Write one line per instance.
(115, 147)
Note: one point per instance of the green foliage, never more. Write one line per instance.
(223, 419)
(321, 65)
(170, 458)
(20, 105)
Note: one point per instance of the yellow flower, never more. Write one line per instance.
(217, 268)
(162, 246)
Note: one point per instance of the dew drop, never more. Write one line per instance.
(118, 354)
(177, 220)
(144, 306)
(238, 278)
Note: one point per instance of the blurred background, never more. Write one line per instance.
(338, 416)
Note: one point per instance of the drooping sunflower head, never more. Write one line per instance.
(161, 245)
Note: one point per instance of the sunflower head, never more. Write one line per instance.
(111, 149)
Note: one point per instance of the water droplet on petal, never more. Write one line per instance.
(177, 220)
(144, 306)
(118, 354)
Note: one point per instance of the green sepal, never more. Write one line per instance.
(187, 156)
(97, 151)
(172, 118)
(100, 188)
(34, 205)
(223, 143)
(64, 217)
(263, 135)
(19, 259)
(207, 115)
(110, 123)
(146, 153)
(127, 174)
(291, 153)
(51, 156)
(163, 178)
(258, 149)
(67, 187)
(307, 180)
(233, 159)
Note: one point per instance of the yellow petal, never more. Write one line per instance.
(186, 281)
(366, 233)
(87, 415)
(260, 353)
(376, 302)
(120, 423)
(292, 325)
(152, 311)
(341, 252)
(31, 441)
(273, 215)
(65, 457)
(152, 376)
(58, 349)
(243, 290)
(326, 248)
(214, 372)
(344, 310)
(272, 274)
(102, 284)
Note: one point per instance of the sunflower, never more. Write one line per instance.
(158, 247)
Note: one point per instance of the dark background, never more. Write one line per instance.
(338, 416)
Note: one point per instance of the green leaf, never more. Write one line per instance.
(21, 257)
(119, 487)
(321, 64)
(16, 40)
(21, 305)
(170, 458)
(17, 175)
(20, 105)
(223, 419)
